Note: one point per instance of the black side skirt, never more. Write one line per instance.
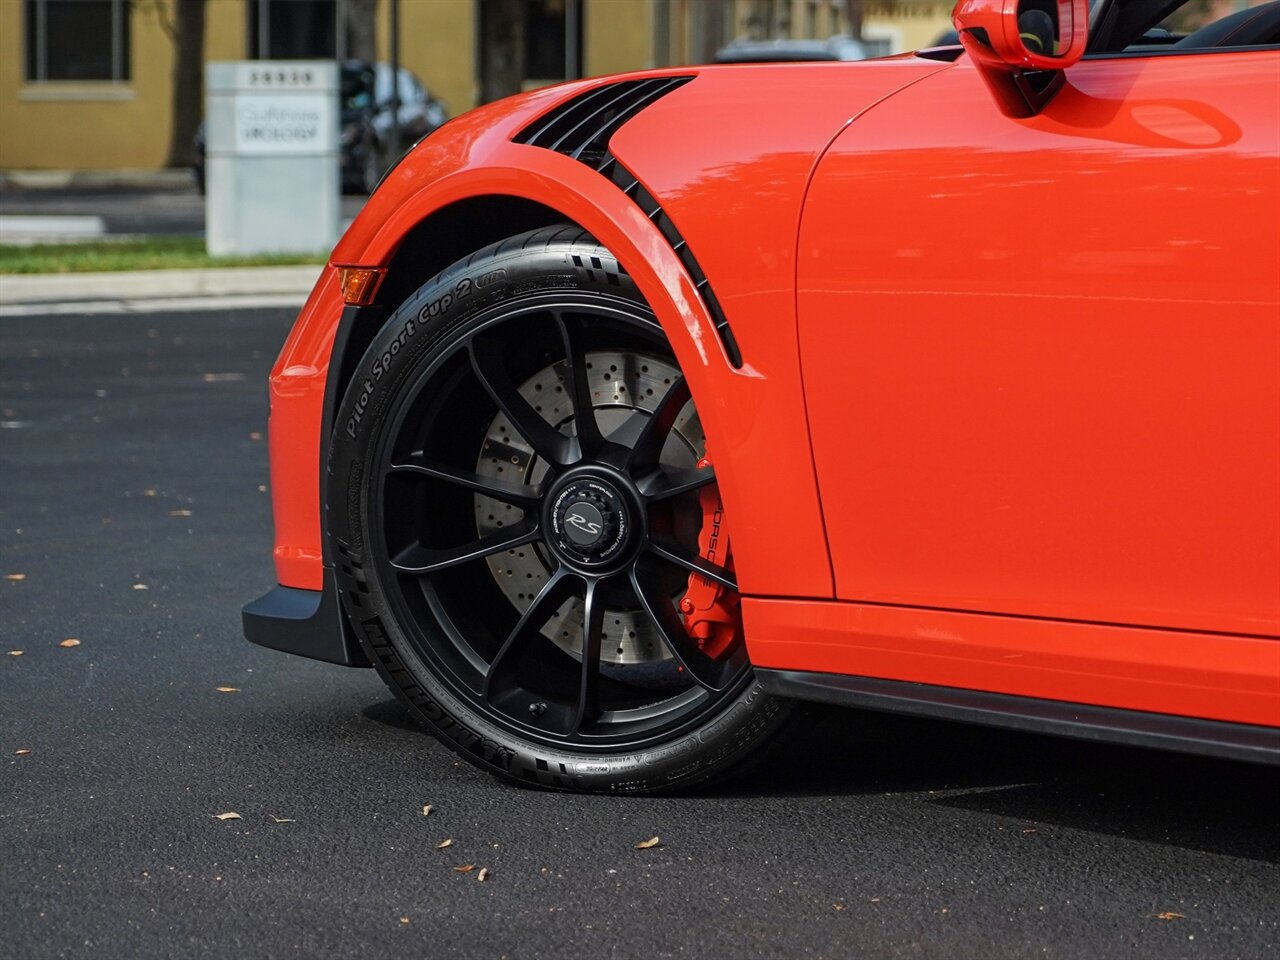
(308, 623)
(1234, 741)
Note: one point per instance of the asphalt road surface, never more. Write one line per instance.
(132, 478)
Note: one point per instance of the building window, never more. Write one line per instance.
(524, 44)
(77, 40)
(552, 40)
(293, 30)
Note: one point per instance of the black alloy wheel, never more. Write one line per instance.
(518, 487)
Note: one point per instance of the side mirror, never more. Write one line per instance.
(1022, 47)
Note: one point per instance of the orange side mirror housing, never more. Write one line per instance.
(1022, 47)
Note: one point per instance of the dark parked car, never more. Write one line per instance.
(367, 148)
(366, 134)
(784, 51)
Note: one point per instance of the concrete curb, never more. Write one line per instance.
(162, 179)
(45, 288)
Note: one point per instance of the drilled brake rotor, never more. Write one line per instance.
(624, 386)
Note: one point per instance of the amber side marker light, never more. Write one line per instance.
(359, 284)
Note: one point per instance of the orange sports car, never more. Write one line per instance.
(631, 411)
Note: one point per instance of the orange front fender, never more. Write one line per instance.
(475, 158)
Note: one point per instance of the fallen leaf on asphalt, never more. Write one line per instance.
(838, 906)
(222, 377)
(444, 843)
(281, 819)
(141, 586)
(227, 816)
(15, 576)
(426, 811)
(648, 844)
(179, 513)
(15, 653)
(404, 919)
(21, 753)
(464, 868)
(70, 642)
(1169, 915)
(483, 875)
(227, 689)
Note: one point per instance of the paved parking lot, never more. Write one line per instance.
(133, 508)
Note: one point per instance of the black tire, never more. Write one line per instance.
(485, 666)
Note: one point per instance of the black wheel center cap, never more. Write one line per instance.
(584, 523)
(590, 521)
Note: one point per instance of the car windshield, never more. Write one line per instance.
(1190, 17)
(1141, 25)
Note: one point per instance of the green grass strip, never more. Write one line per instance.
(147, 253)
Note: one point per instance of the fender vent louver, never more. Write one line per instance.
(581, 127)
(621, 176)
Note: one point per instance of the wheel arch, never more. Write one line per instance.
(414, 233)
(441, 238)
(438, 226)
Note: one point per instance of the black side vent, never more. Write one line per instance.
(581, 127)
(621, 176)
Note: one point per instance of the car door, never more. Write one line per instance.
(1041, 356)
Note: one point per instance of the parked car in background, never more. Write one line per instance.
(366, 138)
(784, 51)
(367, 120)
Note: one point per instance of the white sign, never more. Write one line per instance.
(272, 177)
(275, 75)
(289, 124)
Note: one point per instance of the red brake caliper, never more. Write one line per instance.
(712, 613)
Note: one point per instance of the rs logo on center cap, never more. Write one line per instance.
(582, 523)
(588, 521)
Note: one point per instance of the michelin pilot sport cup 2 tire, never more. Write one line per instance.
(411, 395)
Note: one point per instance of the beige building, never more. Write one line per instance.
(89, 84)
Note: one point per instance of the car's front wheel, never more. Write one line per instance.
(528, 533)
